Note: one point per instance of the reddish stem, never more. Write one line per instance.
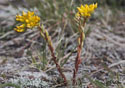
(57, 65)
(77, 62)
(54, 59)
(79, 49)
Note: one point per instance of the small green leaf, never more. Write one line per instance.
(99, 84)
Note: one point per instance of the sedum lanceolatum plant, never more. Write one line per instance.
(29, 20)
(84, 12)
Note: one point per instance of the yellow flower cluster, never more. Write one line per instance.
(86, 10)
(28, 19)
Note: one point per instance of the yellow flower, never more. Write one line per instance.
(86, 10)
(28, 19)
(20, 28)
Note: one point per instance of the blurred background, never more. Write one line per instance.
(25, 59)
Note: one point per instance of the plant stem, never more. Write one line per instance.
(77, 62)
(57, 65)
(78, 59)
(48, 40)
